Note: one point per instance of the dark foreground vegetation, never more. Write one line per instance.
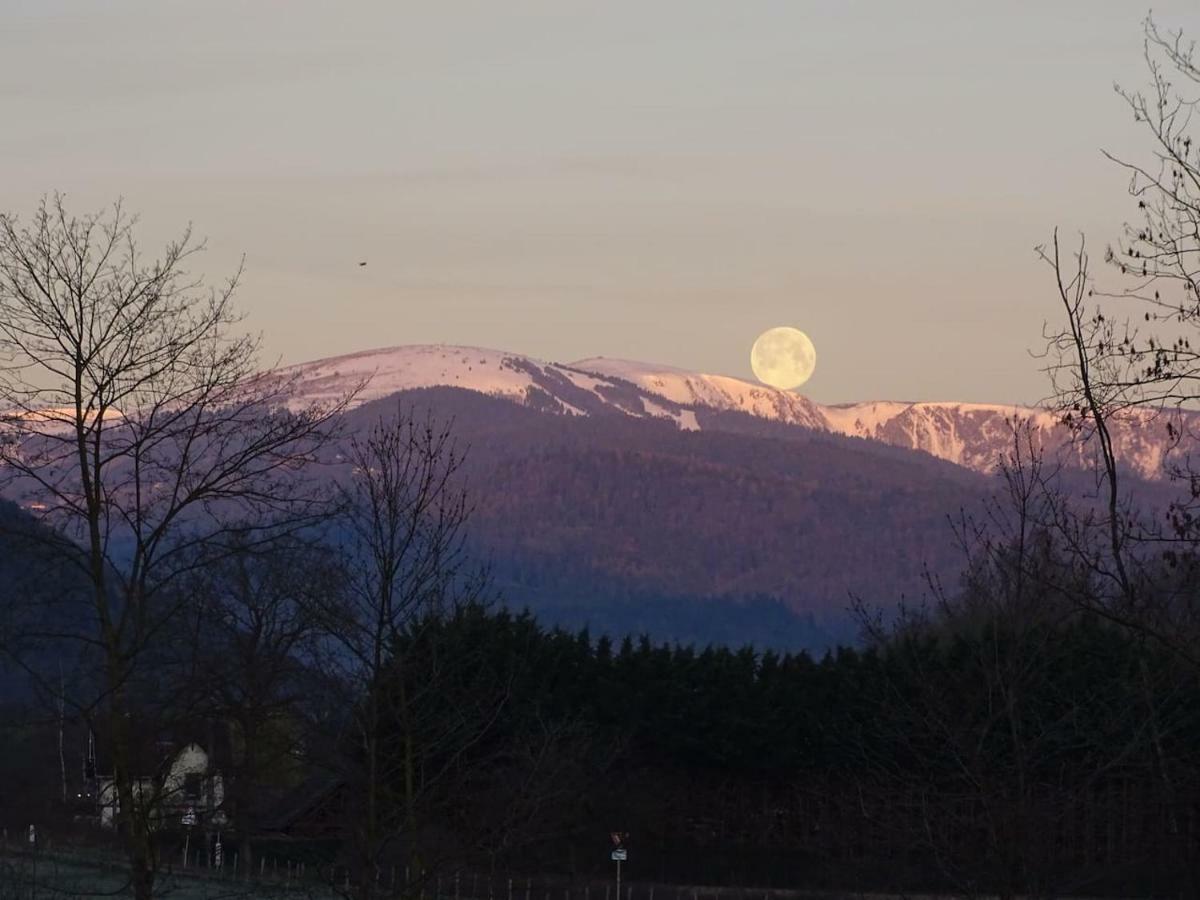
(1005, 740)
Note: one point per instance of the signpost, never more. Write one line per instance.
(619, 854)
(188, 819)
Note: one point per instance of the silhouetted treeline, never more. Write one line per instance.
(1055, 759)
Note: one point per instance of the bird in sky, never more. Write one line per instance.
(362, 263)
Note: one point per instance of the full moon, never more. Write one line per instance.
(783, 357)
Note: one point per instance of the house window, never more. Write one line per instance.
(191, 787)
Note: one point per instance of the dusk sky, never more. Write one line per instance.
(658, 181)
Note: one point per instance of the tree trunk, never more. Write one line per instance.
(135, 825)
(243, 788)
(366, 886)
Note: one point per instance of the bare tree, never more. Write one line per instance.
(407, 566)
(136, 425)
(1123, 359)
(1126, 343)
(991, 748)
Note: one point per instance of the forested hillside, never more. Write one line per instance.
(630, 524)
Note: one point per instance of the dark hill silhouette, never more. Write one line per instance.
(42, 597)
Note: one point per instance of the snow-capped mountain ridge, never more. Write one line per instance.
(695, 389)
(554, 387)
(973, 435)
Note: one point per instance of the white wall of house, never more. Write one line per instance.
(188, 787)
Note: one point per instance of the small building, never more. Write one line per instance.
(188, 790)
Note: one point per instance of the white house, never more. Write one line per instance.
(189, 791)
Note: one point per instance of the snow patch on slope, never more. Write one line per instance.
(685, 419)
(691, 389)
(381, 373)
(375, 374)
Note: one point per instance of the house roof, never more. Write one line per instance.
(154, 750)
